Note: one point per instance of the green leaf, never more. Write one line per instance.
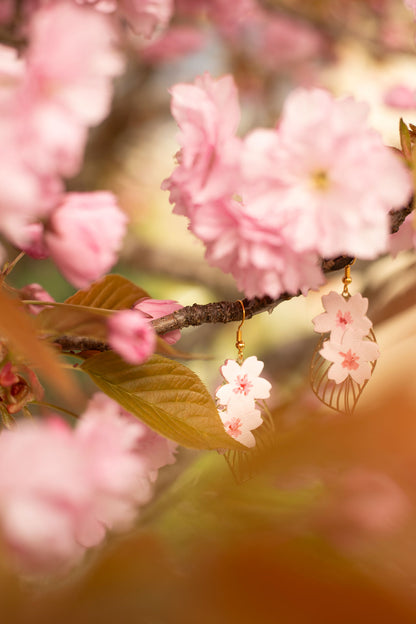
(166, 395)
(405, 141)
(85, 313)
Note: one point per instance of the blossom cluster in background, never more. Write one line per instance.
(268, 206)
(48, 102)
(62, 489)
(348, 346)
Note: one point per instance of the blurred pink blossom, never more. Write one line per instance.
(156, 308)
(363, 504)
(37, 293)
(6, 11)
(47, 103)
(131, 336)
(45, 497)
(342, 314)
(144, 16)
(411, 4)
(153, 450)
(405, 238)
(62, 488)
(118, 474)
(84, 235)
(173, 44)
(400, 96)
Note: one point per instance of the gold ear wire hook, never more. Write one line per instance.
(346, 280)
(239, 340)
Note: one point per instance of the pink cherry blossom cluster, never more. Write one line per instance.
(144, 16)
(274, 40)
(47, 104)
(131, 334)
(267, 206)
(61, 489)
(237, 398)
(348, 346)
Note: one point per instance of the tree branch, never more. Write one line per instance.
(223, 311)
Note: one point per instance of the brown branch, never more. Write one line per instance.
(223, 311)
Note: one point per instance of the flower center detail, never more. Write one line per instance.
(242, 385)
(350, 360)
(233, 427)
(320, 180)
(343, 319)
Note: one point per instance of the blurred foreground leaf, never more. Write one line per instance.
(20, 332)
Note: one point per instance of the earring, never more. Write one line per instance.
(237, 398)
(346, 354)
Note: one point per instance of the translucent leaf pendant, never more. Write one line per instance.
(342, 396)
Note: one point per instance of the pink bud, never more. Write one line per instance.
(84, 235)
(156, 308)
(131, 336)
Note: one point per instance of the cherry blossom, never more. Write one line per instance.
(45, 499)
(239, 419)
(47, 104)
(321, 184)
(84, 235)
(243, 381)
(255, 248)
(144, 16)
(350, 357)
(155, 308)
(330, 172)
(119, 476)
(61, 489)
(405, 238)
(400, 96)
(131, 336)
(411, 4)
(153, 450)
(342, 314)
(37, 293)
(207, 113)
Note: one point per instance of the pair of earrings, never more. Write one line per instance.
(341, 366)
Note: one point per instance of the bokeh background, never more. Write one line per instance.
(325, 528)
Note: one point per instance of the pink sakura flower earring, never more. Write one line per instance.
(346, 354)
(238, 397)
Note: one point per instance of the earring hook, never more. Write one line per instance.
(346, 280)
(239, 340)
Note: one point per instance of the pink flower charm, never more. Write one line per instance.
(239, 418)
(131, 336)
(243, 382)
(237, 398)
(343, 314)
(351, 356)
